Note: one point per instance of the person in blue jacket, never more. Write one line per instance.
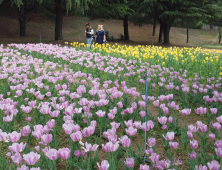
(89, 35)
(100, 36)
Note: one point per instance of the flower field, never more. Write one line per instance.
(73, 108)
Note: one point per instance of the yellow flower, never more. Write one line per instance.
(220, 73)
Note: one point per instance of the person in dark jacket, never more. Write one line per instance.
(100, 35)
(89, 35)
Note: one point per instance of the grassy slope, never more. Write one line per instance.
(73, 29)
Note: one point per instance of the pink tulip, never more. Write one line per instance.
(151, 142)
(25, 130)
(87, 131)
(186, 89)
(83, 154)
(26, 109)
(31, 158)
(120, 104)
(100, 113)
(129, 123)
(142, 113)
(48, 94)
(192, 128)
(23, 167)
(125, 141)
(115, 125)
(129, 162)
(154, 157)
(149, 151)
(17, 147)
(213, 165)
(218, 144)
(169, 136)
(164, 127)
(54, 113)
(8, 118)
(194, 144)
(218, 152)
(89, 147)
(137, 124)
(144, 167)
(45, 109)
(69, 110)
(185, 112)
(8, 154)
(217, 126)
(52, 154)
(147, 126)
(165, 110)
(104, 165)
(131, 131)
(174, 145)
(29, 119)
(156, 103)
(17, 158)
(142, 103)
(18, 93)
(110, 147)
(77, 153)
(32, 104)
(76, 136)
(51, 124)
(201, 110)
(64, 153)
(212, 136)
(46, 139)
(37, 148)
(170, 119)
(203, 128)
(162, 120)
(14, 136)
(213, 110)
(4, 137)
(193, 155)
(219, 119)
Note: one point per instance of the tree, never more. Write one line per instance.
(107, 9)
(168, 11)
(59, 6)
(23, 14)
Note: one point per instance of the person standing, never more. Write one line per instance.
(100, 36)
(89, 35)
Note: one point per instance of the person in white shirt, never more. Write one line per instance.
(89, 34)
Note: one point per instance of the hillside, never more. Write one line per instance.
(73, 29)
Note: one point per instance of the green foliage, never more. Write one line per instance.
(106, 9)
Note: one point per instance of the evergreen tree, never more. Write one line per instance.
(111, 9)
(166, 12)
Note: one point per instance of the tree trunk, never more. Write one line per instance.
(211, 25)
(166, 32)
(58, 20)
(219, 38)
(126, 26)
(154, 27)
(23, 12)
(187, 33)
(161, 33)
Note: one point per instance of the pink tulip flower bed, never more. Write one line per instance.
(64, 108)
